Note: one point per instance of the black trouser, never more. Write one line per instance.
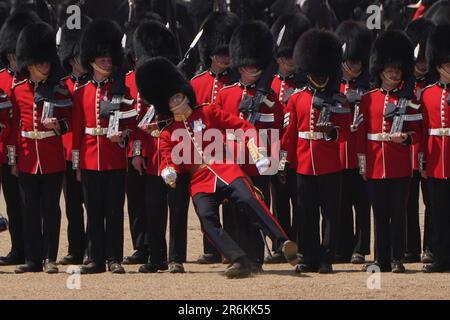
(73, 195)
(240, 193)
(412, 217)
(318, 195)
(353, 237)
(249, 236)
(11, 194)
(136, 192)
(104, 197)
(40, 194)
(389, 199)
(158, 197)
(230, 225)
(427, 234)
(284, 202)
(440, 202)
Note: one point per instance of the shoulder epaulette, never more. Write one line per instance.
(199, 75)
(15, 84)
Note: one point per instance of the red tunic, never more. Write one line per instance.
(384, 159)
(44, 155)
(229, 100)
(6, 83)
(96, 152)
(436, 115)
(417, 147)
(349, 157)
(204, 176)
(207, 85)
(313, 157)
(138, 143)
(71, 83)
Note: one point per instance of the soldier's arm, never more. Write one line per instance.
(78, 127)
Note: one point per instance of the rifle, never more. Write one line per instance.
(327, 102)
(114, 120)
(183, 61)
(398, 111)
(251, 105)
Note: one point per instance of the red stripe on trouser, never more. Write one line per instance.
(262, 203)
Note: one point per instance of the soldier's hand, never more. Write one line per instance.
(169, 176)
(78, 175)
(117, 137)
(149, 127)
(51, 123)
(364, 177)
(139, 164)
(14, 170)
(424, 174)
(399, 137)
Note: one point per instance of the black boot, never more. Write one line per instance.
(238, 269)
(92, 268)
(138, 257)
(28, 267)
(12, 258)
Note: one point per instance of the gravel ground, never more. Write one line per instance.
(207, 282)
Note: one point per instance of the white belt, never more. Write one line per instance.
(311, 135)
(37, 135)
(266, 117)
(379, 136)
(439, 132)
(96, 131)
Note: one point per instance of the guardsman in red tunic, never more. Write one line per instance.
(41, 115)
(213, 47)
(283, 187)
(212, 179)
(353, 235)
(435, 102)
(388, 129)
(251, 49)
(69, 51)
(311, 141)
(418, 32)
(151, 39)
(8, 40)
(101, 161)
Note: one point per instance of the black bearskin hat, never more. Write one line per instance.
(318, 52)
(10, 32)
(217, 31)
(438, 47)
(357, 41)
(69, 47)
(251, 45)
(131, 28)
(158, 79)
(418, 32)
(36, 44)
(153, 39)
(101, 37)
(295, 25)
(392, 49)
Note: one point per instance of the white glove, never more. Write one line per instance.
(169, 175)
(263, 165)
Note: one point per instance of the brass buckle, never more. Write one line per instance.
(35, 135)
(444, 131)
(98, 131)
(384, 137)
